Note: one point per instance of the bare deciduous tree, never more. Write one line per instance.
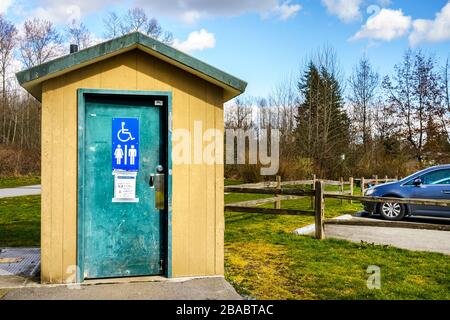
(8, 41)
(112, 25)
(167, 37)
(445, 113)
(284, 98)
(415, 94)
(79, 34)
(282, 108)
(363, 84)
(239, 113)
(40, 42)
(135, 19)
(446, 79)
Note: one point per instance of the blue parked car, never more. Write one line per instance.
(431, 183)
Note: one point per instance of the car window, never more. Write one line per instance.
(442, 181)
(436, 177)
(415, 174)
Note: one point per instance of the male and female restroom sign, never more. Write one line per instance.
(125, 144)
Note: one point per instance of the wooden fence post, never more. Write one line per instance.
(319, 209)
(278, 199)
(376, 180)
(351, 187)
(341, 188)
(385, 179)
(313, 187)
(362, 186)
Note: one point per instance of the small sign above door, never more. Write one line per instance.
(125, 144)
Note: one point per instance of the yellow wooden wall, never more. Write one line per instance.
(197, 222)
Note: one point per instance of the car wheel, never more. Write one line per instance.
(392, 211)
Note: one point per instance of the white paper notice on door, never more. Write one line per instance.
(124, 186)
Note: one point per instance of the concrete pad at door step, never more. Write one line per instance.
(411, 239)
(208, 288)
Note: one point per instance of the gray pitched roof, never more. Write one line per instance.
(32, 78)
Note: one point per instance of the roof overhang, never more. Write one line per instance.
(32, 79)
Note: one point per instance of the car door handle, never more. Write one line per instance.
(446, 191)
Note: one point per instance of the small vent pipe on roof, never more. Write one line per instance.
(73, 48)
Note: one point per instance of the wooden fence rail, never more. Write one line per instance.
(288, 191)
(341, 183)
(269, 211)
(319, 196)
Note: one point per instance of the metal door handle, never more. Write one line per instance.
(446, 191)
(151, 181)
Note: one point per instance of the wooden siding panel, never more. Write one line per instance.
(118, 72)
(219, 170)
(145, 74)
(197, 187)
(70, 177)
(210, 183)
(46, 181)
(180, 195)
(58, 192)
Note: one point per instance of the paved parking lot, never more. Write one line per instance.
(418, 219)
(20, 191)
(405, 238)
(411, 239)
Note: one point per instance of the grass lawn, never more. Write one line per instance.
(20, 224)
(3, 292)
(12, 182)
(264, 260)
(232, 182)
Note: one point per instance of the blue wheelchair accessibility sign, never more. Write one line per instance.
(125, 144)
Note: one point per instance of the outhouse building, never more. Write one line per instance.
(115, 203)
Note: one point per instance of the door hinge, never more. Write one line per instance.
(161, 265)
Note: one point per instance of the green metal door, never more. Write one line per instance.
(123, 238)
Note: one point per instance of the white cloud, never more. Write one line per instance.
(191, 16)
(286, 10)
(346, 10)
(196, 41)
(387, 25)
(4, 5)
(63, 12)
(59, 14)
(191, 11)
(432, 30)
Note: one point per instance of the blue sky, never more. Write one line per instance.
(263, 41)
